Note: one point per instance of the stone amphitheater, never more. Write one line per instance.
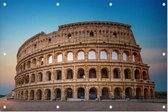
(94, 60)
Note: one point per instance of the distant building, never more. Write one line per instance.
(85, 60)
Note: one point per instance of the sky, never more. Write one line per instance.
(21, 19)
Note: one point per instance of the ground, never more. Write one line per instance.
(14, 105)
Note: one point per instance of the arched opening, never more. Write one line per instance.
(69, 93)
(81, 73)
(128, 92)
(117, 93)
(24, 66)
(81, 93)
(91, 34)
(41, 60)
(58, 94)
(32, 78)
(20, 68)
(69, 74)
(81, 55)
(39, 94)
(127, 73)
(137, 74)
(70, 56)
(58, 75)
(49, 59)
(48, 76)
(105, 93)
(40, 77)
(93, 93)
(145, 77)
(114, 55)
(47, 94)
(28, 64)
(59, 58)
(138, 93)
(125, 56)
(92, 73)
(26, 95)
(103, 55)
(27, 79)
(116, 73)
(145, 93)
(92, 55)
(104, 73)
(114, 34)
(32, 95)
(135, 58)
(34, 62)
(22, 95)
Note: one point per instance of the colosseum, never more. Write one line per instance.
(95, 60)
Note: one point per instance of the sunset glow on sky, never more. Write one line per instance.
(21, 19)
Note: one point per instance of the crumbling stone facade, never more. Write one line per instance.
(85, 60)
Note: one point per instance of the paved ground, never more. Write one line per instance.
(13, 105)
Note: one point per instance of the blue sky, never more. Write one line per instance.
(21, 19)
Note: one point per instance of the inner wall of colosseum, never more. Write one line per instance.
(88, 61)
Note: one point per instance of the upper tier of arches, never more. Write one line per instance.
(85, 32)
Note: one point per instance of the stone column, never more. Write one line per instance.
(86, 93)
(43, 94)
(98, 73)
(63, 94)
(52, 94)
(123, 92)
(74, 73)
(98, 93)
(52, 74)
(44, 76)
(63, 73)
(122, 73)
(142, 91)
(112, 92)
(132, 74)
(35, 95)
(133, 92)
(86, 73)
(74, 92)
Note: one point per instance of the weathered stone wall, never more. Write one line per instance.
(38, 65)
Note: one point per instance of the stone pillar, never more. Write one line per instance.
(112, 92)
(74, 92)
(133, 92)
(132, 74)
(86, 73)
(74, 73)
(52, 94)
(86, 93)
(98, 93)
(44, 76)
(63, 94)
(29, 78)
(123, 92)
(45, 60)
(86, 56)
(63, 73)
(98, 73)
(64, 56)
(111, 74)
(142, 91)
(44, 94)
(122, 73)
(35, 95)
(52, 74)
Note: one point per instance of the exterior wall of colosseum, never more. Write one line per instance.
(87, 60)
